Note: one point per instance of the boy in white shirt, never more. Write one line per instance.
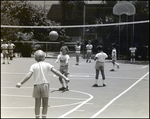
(41, 82)
(99, 66)
(64, 59)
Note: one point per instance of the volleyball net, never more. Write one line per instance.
(123, 34)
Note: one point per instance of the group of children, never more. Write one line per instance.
(41, 68)
(7, 51)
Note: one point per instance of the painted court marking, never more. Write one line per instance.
(81, 102)
(100, 111)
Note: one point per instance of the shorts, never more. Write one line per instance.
(64, 69)
(41, 90)
(5, 53)
(99, 65)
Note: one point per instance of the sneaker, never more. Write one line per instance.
(112, 70)
(95, 85)
(77, 64)
(118, 66)
(8, 62)
(104, 84)
(86, 60)
(89, 61)
(67, 88)
(3, 63)
(62, 88)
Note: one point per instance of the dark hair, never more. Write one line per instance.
(113, 45)
(62, 43)
(99, 47)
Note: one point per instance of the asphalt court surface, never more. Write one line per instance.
(126, 94)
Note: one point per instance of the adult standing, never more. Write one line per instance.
(89, 48)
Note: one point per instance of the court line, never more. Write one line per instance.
(74, 109)
(81, 103)
(107, 105)
(77, 75)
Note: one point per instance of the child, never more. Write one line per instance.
(114, 57)
(89, 47)
(77, 48)
(5, 53)
(99, 66)
(63, 58)
(132, 52)
(41, 82)
(11, 47)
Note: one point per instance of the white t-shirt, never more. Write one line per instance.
(11, 46)
(132, 49)
(63, 59)
(89, 48)
(4, 46)
(78, 48)
(40, 71)
(101, 56)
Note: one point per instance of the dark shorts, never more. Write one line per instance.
(41, 90)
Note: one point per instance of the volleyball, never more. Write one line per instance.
(53, 35)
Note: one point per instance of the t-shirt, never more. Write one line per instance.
(101, 56)
(132, 49)
(40, 71)
(78, 48)
(63, 59)
(89, 47)
(4, 46)
(11, 46)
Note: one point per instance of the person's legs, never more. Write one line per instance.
(37, 107)
(7, 56)
(61, 80)
(96, 76)
(87, 57)
(103, 74)
(4, 58)
(90, 55)
(66, 74)
(45, 107)
(77, 58)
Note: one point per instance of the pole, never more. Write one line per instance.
(83, 31)
(133, 32)
(119, 37)
(127, 36)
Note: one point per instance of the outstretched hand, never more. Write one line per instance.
(67, 79)
(18, 85)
